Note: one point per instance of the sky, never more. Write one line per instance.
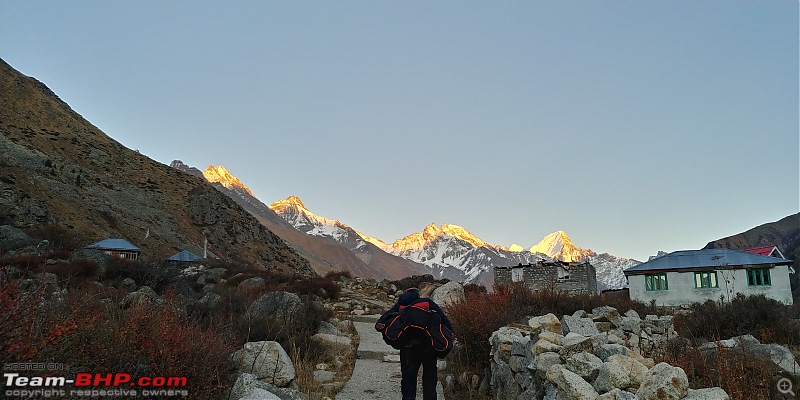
(633, 126)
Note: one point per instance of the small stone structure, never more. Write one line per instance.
(571, 277)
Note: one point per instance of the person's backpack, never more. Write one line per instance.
(417, 323)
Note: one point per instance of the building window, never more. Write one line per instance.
(656, 282)
(758, 277)
(517, 275)
(706, 279)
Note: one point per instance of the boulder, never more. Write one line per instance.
(579, 325)
(635, 369)
(586, 365)
(543, 346)
(604, 351)
(339, 344)
(550, 337)
(546, 323)
(278, 306)
(252, 284)
(248, 387)
(715, 393)
(449, 293)
(544, 361)
(611, 376)
(267, 361)
(664, 382)
(575, 343)
(570, 385)
(606, 314)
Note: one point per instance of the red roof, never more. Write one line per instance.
(762, 251)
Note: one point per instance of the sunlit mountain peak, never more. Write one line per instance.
(516, 248)
(291, 201)
(558, 245)
(463, 234)
(223, 177)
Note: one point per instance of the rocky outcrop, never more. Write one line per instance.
(544, 361)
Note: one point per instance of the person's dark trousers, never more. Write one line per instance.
(410, 360)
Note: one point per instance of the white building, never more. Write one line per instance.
(688, 276)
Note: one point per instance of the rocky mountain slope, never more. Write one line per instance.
(57, 168)
(784, 233)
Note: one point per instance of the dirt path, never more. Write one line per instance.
(374, 378)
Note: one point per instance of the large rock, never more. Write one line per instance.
(248, 387)
(579, 325)
(570, 385)
(547, 322)
(714, 393)
(267, 361)
(449, 293)
(544, 361)
(604, 351)
(610, 376)
(664, 382)
(278, 306)
(606, 314)
(586, 365)
(574, 343)
(635, 369)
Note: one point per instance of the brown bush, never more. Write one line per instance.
(767, 319)
(742, 375)
(89, 335)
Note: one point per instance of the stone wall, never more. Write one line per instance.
(586, 356)
(573, 278)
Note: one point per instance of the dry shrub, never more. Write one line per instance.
(88, 334)
(25, 262)
(767, 319)
(59, 237)
(17, 317)
(741, 374)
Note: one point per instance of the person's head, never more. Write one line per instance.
(408, 297)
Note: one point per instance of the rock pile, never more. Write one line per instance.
(587, 356)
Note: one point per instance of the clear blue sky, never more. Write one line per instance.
(634, 126)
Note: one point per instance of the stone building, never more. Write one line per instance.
(571, 277)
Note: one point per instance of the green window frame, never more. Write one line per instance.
(656, 282)
(705, 279)
(759, 277)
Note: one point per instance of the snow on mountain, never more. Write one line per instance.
(295, 212)
(609, 268)
(559, 246)
(222, 176)
(452, 252)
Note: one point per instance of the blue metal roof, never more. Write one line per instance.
(706, 258)
(184, 256)
(114, 244)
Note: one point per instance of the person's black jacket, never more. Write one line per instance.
(409, 298)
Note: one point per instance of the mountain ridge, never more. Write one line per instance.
(56, 168)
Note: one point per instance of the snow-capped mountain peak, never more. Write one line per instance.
(558, 245)
(290, 202)
(223, 177)
(463, 234)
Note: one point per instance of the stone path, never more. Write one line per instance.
(374, 378)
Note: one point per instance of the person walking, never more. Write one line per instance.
(417, 349)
